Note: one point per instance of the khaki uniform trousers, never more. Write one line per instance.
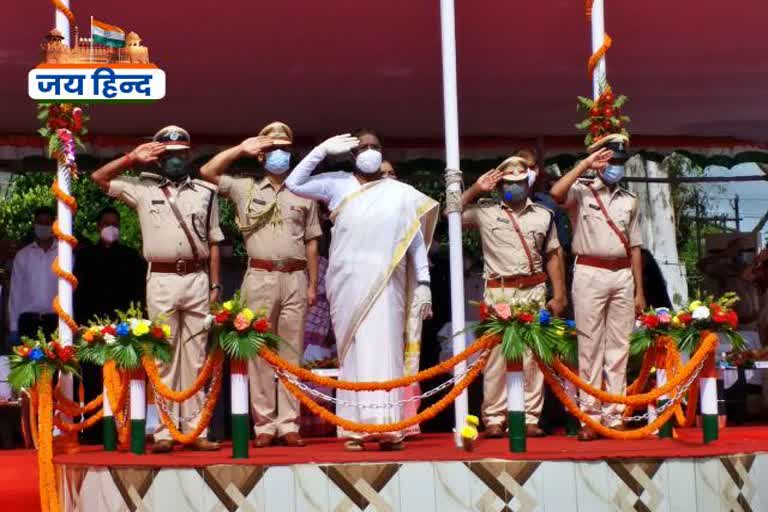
(494, 408)
(284, 295)
(604, 307)
(183, 301)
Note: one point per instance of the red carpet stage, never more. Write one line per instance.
(557, 473)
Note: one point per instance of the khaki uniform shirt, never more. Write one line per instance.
(592, 235)
(503, 253)
(162, 236)
(297, 221)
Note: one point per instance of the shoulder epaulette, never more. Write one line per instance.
(151, 176)
(203, 183)
(487, 202)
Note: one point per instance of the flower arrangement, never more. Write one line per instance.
(125, 340)
(36, 355)
(63, 126)
(528, 325)
(604, 115)
(241, 331)
(685, 326)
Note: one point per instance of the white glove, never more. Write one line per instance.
(339, 144)
(422, 299)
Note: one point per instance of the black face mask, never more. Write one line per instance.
(174, 167)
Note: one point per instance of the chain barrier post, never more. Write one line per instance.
(515, 407)
(109, 429)
(138, 410)
(239, 404)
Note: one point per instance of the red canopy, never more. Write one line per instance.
(690, 67)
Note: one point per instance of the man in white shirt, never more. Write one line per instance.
(33, 283)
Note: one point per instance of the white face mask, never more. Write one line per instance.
(369, 161)
(532, 173)
(110, 234)
(278, 161)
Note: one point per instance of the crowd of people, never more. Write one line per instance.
(344, 255)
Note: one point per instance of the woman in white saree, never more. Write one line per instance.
(378, 273)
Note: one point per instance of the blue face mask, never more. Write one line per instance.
(278, 161)
(612, 174)
(515, 192)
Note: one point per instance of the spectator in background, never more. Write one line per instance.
(33, 283)
(110, 277)
(655, 285)
(388, 170)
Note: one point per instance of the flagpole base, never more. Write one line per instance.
(710, 427)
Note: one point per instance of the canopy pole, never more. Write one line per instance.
(453, 198)
(598, 36)
(64, 217)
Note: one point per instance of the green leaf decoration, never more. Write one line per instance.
(620, 101)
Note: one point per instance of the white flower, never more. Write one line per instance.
(146, 322)
(701, 313)
(208, 323)
(109, 339)
(133, 323)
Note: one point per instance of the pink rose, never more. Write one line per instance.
(241, 323)
(503, 311)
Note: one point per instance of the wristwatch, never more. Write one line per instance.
(216, 286)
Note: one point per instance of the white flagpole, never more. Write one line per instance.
(453, 193)
(64, 218)
(598, 35)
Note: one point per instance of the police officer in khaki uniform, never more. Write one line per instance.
(179, 218)
(518, 239)
(608, 281)
(281, 233)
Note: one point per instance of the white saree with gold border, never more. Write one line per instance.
(369, 287)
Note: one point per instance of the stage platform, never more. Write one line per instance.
(556, 474)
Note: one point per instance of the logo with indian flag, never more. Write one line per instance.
(112, 65)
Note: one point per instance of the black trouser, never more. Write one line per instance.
(31, 323)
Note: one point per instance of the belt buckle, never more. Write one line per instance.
(181, 267)
(279, 265)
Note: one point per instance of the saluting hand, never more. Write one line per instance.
(254, 146)
(599, 159)
(488, 181)
(147, 153)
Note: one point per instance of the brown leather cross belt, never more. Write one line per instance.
(286, 265)
(613, 264)
(517, 281)
(181, 267)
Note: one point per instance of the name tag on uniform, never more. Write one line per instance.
(594, 207)
(158, 201)
(505, 221)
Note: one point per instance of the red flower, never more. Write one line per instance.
(50, 354)
(651, 321)
(719, 317)
(526, 318)
(23, 350)
(157, 332)
(66, 354)
(483, 311)
(685, 318)
(715, 308)
(222, 317)
(733, 319)
(77, 119)
(261, 325)
(109, 329)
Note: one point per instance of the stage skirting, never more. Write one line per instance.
(557, 474)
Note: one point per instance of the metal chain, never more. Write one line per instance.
(640, 417)
(178, 420)
(338, 401)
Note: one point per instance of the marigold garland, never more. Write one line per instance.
(71, 408)
(205, 415)
(63, 314)
(71, 427)
(599, 54)
(598, 427)
(707, 346)
(49, 499)
(425, 415)
(214, 360)
(486, 341)
(65, 198)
